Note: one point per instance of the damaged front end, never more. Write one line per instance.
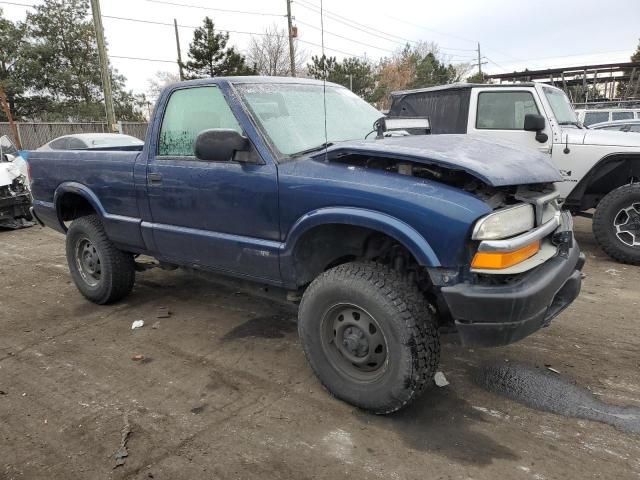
(15, 198)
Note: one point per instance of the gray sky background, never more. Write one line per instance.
(513, 34)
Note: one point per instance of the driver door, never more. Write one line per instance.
(500, 112)
(221, 215)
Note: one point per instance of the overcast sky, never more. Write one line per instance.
(512, 34)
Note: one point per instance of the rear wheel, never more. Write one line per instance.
(369, 336)
(616, 224)
(102, 273)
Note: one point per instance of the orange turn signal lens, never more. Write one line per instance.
(498, 260)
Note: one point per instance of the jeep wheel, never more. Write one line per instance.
(369, 336)
(616, 224)
(101, 272)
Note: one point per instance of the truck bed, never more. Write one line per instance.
(107, 175)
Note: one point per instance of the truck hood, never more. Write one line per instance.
(601, 138)
(495, 163)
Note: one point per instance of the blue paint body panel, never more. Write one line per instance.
(245, 219)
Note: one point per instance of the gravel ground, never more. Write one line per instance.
(221, 389)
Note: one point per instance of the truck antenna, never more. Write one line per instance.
(324, 80)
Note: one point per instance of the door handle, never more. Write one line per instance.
(154, 178)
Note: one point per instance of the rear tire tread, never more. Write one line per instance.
(120, 264)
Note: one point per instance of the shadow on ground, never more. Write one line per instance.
(443, 423)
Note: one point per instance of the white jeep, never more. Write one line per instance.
(601, 169)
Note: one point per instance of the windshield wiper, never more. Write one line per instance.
(312, 149)
(575, 124)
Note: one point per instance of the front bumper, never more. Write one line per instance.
(494, 315)
(14, 211)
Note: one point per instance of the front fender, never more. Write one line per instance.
(610, 172)
(381, 222)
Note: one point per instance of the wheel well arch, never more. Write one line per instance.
(326, 245)
(74, 201)
(611, 172)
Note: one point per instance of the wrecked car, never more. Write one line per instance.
(15, 199)
(385, 241)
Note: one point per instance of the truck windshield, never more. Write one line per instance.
(561, 107)
(292, 115)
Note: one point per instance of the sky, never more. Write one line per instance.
(513, 35)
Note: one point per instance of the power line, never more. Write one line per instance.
(19, 4)
(143, 59)
(345, 38)
(230, 31)
(368, 29)
(153, 22)
(438, 32)
(496, 64)
(332, 49)
(245, 12)
(350, 23)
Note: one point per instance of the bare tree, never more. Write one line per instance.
(161, 79)
(269, 53)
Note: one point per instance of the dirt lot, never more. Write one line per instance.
(223, 390)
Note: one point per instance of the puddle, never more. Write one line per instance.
(270, 326)
(550, 392)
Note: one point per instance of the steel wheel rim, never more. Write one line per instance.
(627, 225)
(88, 262)
(354, 343)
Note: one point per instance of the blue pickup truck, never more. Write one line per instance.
(386, 239)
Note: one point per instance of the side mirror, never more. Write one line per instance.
(8, 150)
(220, 144)
(536, 123)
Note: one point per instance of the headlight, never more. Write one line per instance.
(504, 223)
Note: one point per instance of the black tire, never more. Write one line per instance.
(101, 272)
(609, 212)
(402, 315)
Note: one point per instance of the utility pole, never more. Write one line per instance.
(479, 61)
(104, 65)
(175, 25)
(292, 58)
(4, 103)
(351, 82)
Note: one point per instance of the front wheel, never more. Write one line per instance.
(616, 224)
(102, 273)
(369, 336)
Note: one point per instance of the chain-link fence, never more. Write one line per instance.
(135, 129)
(35, 134)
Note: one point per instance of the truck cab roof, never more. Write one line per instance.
(251, 79)
(462, 86)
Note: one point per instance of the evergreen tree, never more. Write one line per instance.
(60, 61)
(209, 55)
(477, 78)
(351, 72)
(624, 88)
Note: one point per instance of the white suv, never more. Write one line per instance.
(597, 115)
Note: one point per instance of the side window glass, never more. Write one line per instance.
(595, 117)
(621, 115)
(59, 144)
(504, 110)
(75, 144)
(189, 112)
